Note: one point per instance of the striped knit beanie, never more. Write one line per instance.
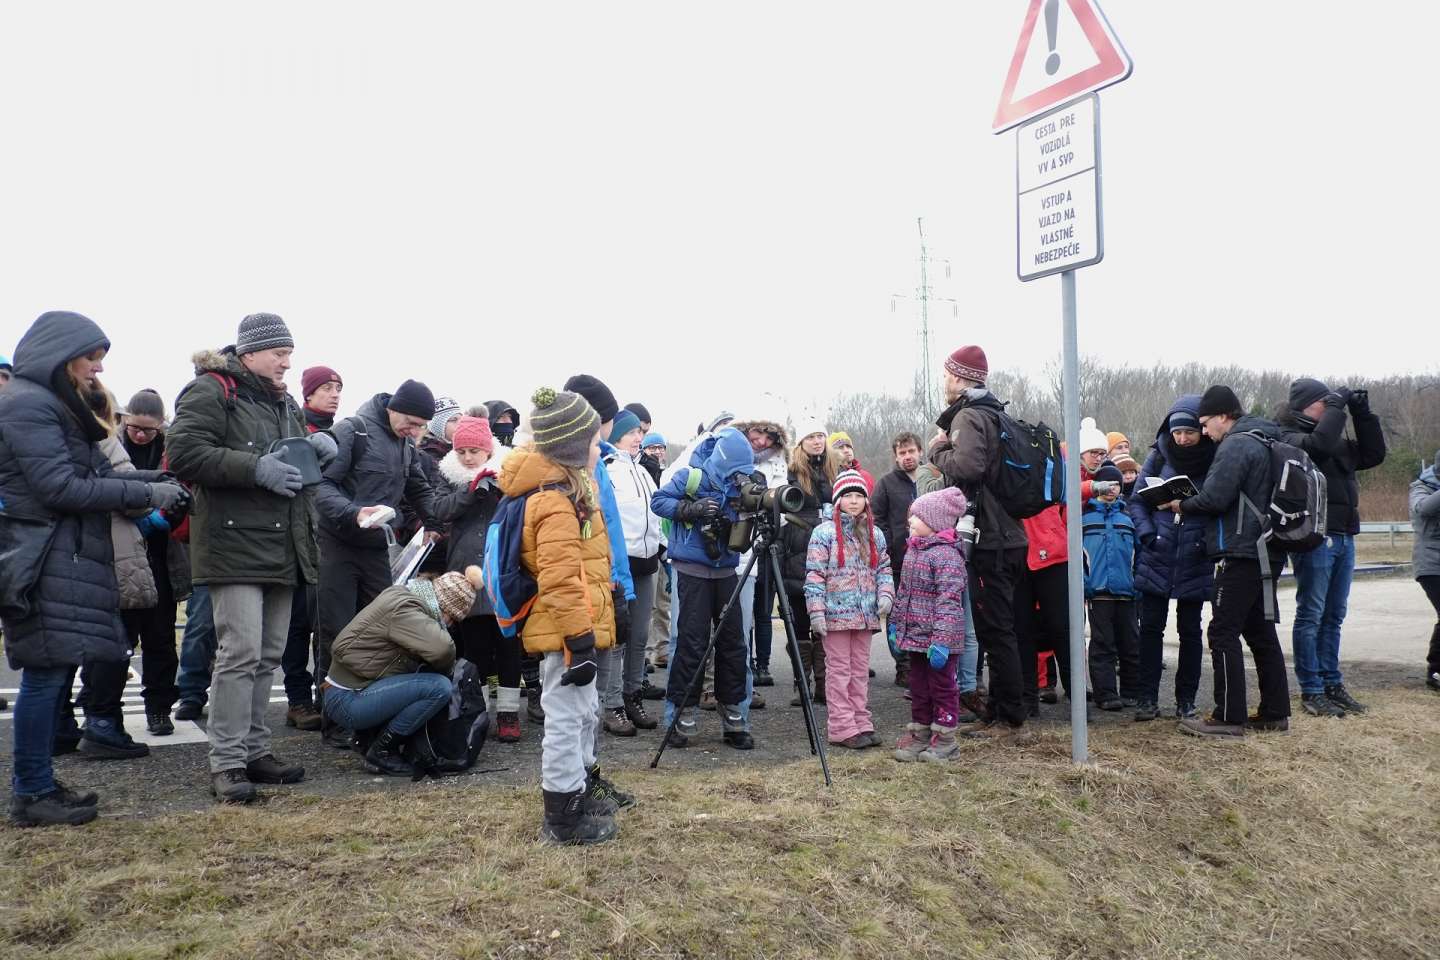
(562, 426)
(262, 331)
(850, 481)
(446, 409)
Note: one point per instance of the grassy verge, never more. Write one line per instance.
(1318, 844)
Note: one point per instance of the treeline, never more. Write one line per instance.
(1134, 401)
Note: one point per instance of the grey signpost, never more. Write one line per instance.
(1058, 222)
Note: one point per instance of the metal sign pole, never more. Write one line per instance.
(1079, 733)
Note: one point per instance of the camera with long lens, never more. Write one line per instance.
(759, 500)
(965, 532)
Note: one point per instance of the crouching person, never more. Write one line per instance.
(564, 546)
(377, 679)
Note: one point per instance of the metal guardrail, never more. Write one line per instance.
(1392, 528)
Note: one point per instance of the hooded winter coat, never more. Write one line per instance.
(386, 473)
(1425, 516)
(466, 504)
(846, 597)
(239, 531)
(930, 604)
(1338, 458)
(634, 488)
(1172, 559)
(393, 634)
(771, 464)
(60, 604)
(1241, 469)
(572, 572)
(729, 456)
(966, 456)
(132, 562)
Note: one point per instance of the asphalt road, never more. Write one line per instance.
(1385, 641)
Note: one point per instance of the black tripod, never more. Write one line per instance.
(767, 540)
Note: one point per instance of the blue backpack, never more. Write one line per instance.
(508, 584)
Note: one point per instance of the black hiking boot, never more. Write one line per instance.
(267, 769)
(233, 786)
(104, 739)
(334, 735)
(48, 809)
(1260, 724)
(1341, 698)
(188, 710)
(1319, 705)
(384, 757)
(1146, 711)
(648, 691)
(762, 676)
(567, 822)
(158, 723)
(76, 798)
(533, 710)
(597, 785)
(635, 710)
(739, 739)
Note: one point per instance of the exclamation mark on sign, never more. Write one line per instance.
(1052, 23)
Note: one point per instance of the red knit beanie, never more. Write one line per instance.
(969, 363)
(473, 432)
(316, 377)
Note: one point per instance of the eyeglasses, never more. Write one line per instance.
(142, 431)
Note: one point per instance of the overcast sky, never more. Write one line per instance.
(700, 203)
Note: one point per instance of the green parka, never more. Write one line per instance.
(239, 532)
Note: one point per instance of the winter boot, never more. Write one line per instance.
(942, 747)
(302, 716)
(267, 769)
(567, 823)
(736, 732)
(762, 676)
(598, 786)
(1146, 711)
(384, 757)
(533, 710)
(232, 786)
(76, 798)
(1341, 698)
(507, 727)
(48, 809)
(334, 735)
(104, 739)
(635, 710)
(188, 710)
(915, 741)
(158, 723)
(617, 722)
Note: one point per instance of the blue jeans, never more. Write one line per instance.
(401, 703)
(197, 648)
(1322, 595)
(36, 712)
(970, 656)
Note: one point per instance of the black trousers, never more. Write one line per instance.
(479, 640)
(1239, 611)
(701, 602)
(350, 577)
(1431, 586)
(1042, 622)
(1154, 611)
(994, 575)
(152, 631)
(295, 661)
(1113, 642)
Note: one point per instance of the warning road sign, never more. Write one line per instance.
(1066, 50)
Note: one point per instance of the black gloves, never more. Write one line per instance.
(1338, 398)
(697, 511)
(622, 615)
(580, 658)
(1360, 401)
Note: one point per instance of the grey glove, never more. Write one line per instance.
(274, 474)
(324, 446)
(166, 495)
(1101, 487)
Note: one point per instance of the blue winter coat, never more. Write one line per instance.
(1171, 560)
(1109, 549)
(52, 474)
(729, 457)
(619, 570)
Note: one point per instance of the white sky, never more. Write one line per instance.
(699, 203)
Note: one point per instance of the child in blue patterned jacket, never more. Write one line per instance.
(849, 589)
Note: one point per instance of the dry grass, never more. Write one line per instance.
(1319, 844)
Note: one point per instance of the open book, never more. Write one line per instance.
(1155, 492)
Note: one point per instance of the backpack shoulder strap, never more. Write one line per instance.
(228, 387)
(361, 442)
(692, 482)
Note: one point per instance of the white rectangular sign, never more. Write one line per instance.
(1057, 184)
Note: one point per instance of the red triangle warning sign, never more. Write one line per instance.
(1066, 50)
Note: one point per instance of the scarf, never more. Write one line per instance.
(425, 591)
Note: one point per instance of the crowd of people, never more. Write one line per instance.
(275, 521)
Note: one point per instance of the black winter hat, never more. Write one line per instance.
(596, 394)
(1306, 391)
(1220, 401)
(639, 410)
(413, 399)
(1108, 471)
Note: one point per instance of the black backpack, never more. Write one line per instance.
(452, 739)
(1295, 518)
(1028, 473)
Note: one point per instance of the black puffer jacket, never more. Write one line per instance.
(1338, 458)
(387, 473)
(467, 512)
(52, 474)
(894, 493)
(1241, 468)
(796, 530)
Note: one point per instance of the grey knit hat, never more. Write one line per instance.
(262, 331)
(563, 425)
(446, 409)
